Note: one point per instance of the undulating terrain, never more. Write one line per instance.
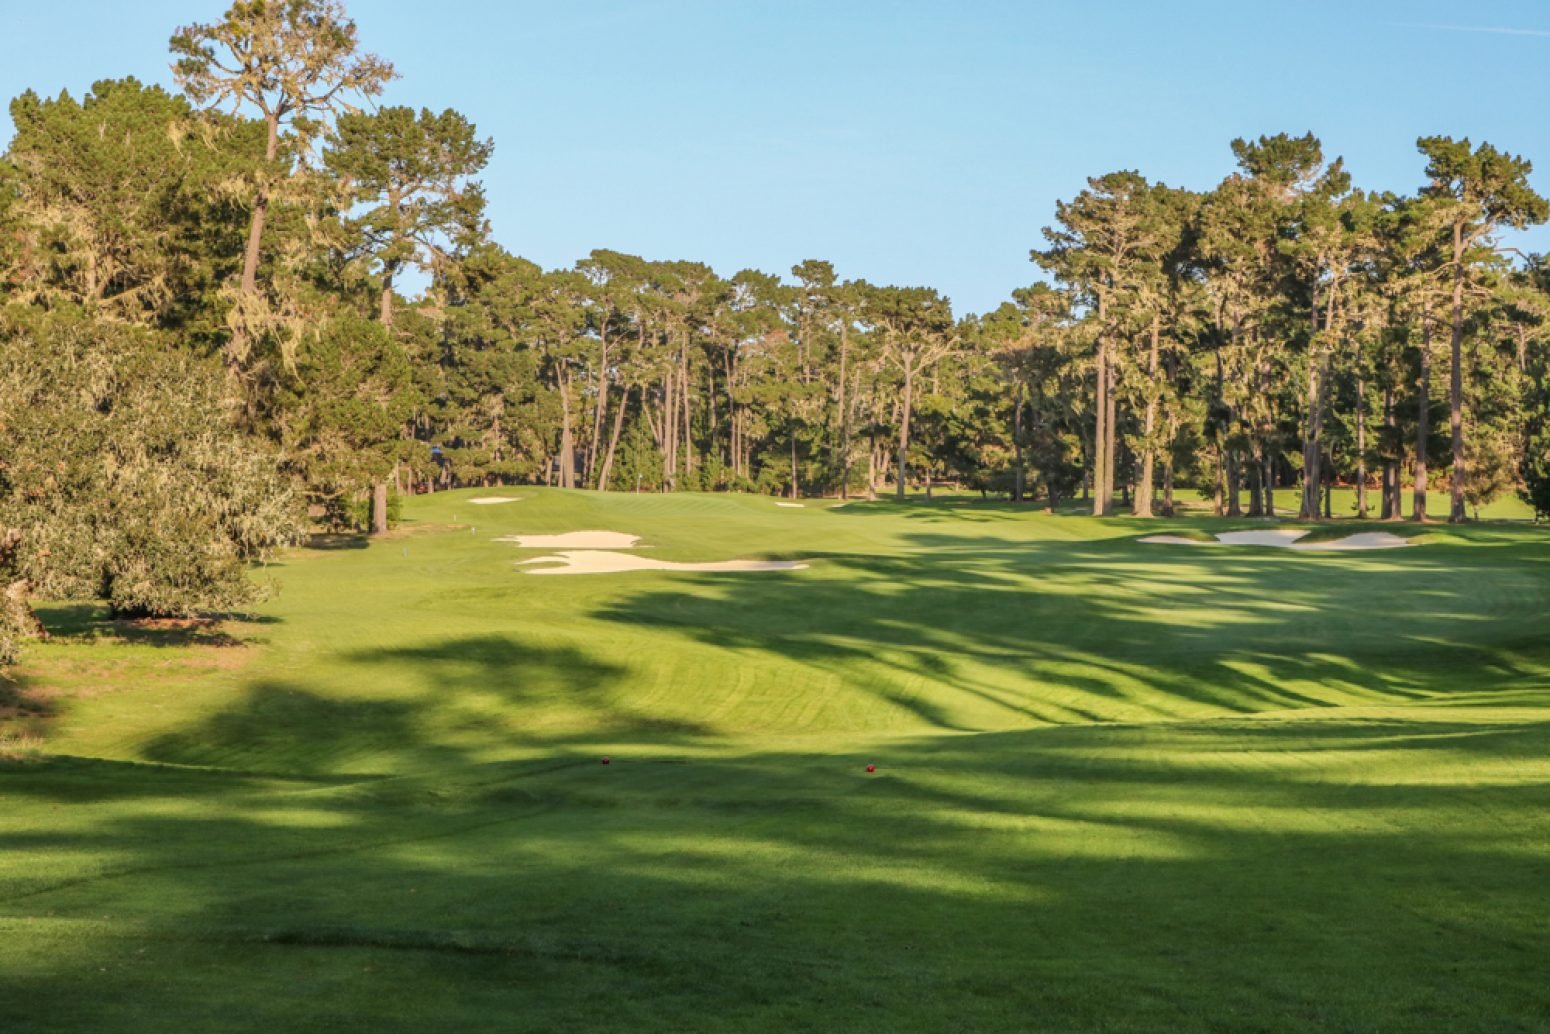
(1118, 786)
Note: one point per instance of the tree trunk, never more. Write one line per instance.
(1219, 493)
(795, 490)
(904, 429)
(1101, 494)
(844, 411)
(251, 251)
(1110, 463)
(1311, 481)
(1392, 504)
(1317, 375)
(613, 441)
(1256, 477)
(1143, 500)
(385, 306)
(1423, 419)
(669, 431)
(871, 468)
(685, 394)
(379, 491)
(1361, 447)
(567, 436)
(379, 504)
(1267, 483)
(599, 412)
(1234, 482)
(1459, 473)
(1020, 475)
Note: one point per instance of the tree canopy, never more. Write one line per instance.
(205, 328)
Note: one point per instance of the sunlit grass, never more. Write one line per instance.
(1118, 786)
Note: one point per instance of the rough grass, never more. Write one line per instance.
(1118, 787)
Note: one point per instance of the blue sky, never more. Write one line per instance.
(907, 142)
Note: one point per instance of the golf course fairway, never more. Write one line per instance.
(1119, 786)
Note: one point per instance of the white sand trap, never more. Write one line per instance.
(1286, 538)
(1362, 540)
(576, 561)
(792, 506)
(494, 500)
(575, 540)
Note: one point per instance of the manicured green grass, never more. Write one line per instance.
(1119, 786)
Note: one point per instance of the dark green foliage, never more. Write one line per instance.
(639, 463)
(339, 418)
(1280, 326)
(121, 203)
(408, 176)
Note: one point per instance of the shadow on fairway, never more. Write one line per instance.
(463, 699)
(329, 541)
(1116, 630)
(24, 710)
(94, 621)
(1223, 875)
(443, 851)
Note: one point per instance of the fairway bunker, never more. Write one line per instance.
(1288, 538)
(590, 561)
(494, 500)
(575, 540)
(792, 506)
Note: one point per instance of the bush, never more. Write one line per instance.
(127, 475)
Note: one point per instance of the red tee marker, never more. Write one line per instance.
(605, 759)
(871, 768)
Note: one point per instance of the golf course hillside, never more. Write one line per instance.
(549, 760)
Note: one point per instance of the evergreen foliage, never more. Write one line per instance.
(205, 328)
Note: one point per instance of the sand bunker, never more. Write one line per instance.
(604, 562)
(1361, 540)
(575, 540)
(792, 506)
(1286, 538)
(494, 500)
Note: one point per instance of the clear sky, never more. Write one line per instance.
(907, 142)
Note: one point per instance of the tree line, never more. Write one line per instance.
(205, 340)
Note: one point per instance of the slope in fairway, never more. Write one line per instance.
(1118, 786)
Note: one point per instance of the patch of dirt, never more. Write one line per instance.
(172, 632)
(331, 540)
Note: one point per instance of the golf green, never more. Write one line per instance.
(1119, 786)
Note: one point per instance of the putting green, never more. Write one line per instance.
(1118, 786)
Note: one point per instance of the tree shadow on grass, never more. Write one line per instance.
(88, 622)
(387, 860)
(24, 713)
(440, 705)
(1060, 631)
(1224, 875)
(332, 541)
